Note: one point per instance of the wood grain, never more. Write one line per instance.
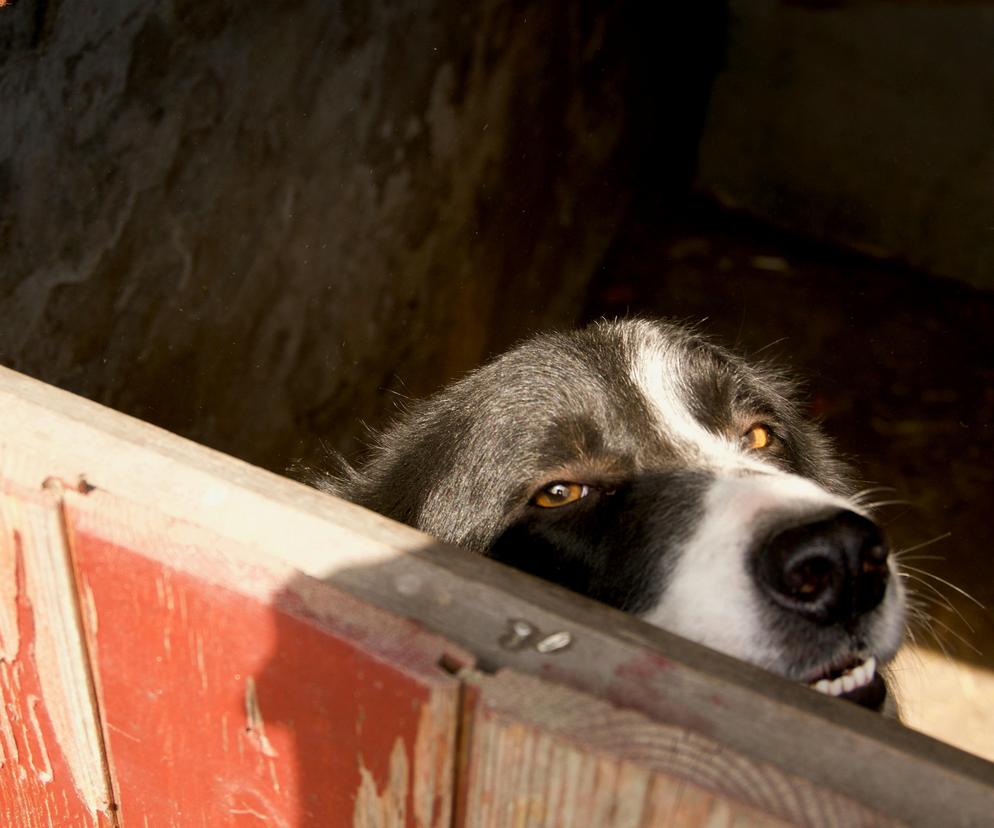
(545, 755)
(52, 768)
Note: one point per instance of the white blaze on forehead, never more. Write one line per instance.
(659, 369)
(709, 594)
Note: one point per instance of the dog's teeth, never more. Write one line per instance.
(858, 676)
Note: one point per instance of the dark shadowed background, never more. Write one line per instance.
(255, 224)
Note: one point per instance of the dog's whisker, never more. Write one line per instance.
(917, 607)
(942, 599)
(945, 601)
(879, 504)
(890, 520)
(873, 490)
(904, 558)
(949, 584)
(397, 394)
(924, 620)
(913, 661)
(860, 497)
(923, 544)
(925, 624)
(955, 634)
(928, 601)
(772, 344)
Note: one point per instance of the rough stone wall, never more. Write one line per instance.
(247, 222)
(869, 124)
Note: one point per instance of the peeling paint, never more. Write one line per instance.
(434, 756)
(44, 773)
(246, 811)
(240, 801)
(198, 648)
(10, 556)
(389, 808)
(224, 732)
(123, 733)
(164, 588)
(255, 726)
(89, 609)
(59, 653)
(6, 728)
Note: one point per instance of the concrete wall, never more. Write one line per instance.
(248, 221)
(865, 123)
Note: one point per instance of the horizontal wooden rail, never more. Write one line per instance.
(233, 647)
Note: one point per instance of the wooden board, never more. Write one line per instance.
(240, 693)
(544, 755)
(873, 760)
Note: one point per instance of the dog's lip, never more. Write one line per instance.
(836, 667)
(854, 678)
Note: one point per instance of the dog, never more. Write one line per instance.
(640, 464)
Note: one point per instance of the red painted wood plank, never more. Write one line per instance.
(236, 692)
(51, 769)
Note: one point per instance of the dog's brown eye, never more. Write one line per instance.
(560, 494)
(757, 437)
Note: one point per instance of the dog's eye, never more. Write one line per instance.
(757, 437)
(560, 494)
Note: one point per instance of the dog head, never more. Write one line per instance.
(641, 465)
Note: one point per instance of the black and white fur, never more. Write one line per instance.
(762, 554)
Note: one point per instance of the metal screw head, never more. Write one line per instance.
(554, 643)
(517, 635)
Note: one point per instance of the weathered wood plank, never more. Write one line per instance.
(237, 691)
(52, 769)
(874, 760)
(543, 755)
(471, 601)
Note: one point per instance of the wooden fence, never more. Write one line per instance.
(186, 640)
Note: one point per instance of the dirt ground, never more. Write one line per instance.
(898, 366)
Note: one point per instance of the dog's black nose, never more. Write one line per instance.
(832, 570)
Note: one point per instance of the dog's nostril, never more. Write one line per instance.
(810, 576)
(875, 557)
(874, 560)
(830, 570)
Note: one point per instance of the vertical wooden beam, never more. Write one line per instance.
(52, 767)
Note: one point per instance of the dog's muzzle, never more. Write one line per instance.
(831, 572)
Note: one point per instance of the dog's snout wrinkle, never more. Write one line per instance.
(833, 570)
